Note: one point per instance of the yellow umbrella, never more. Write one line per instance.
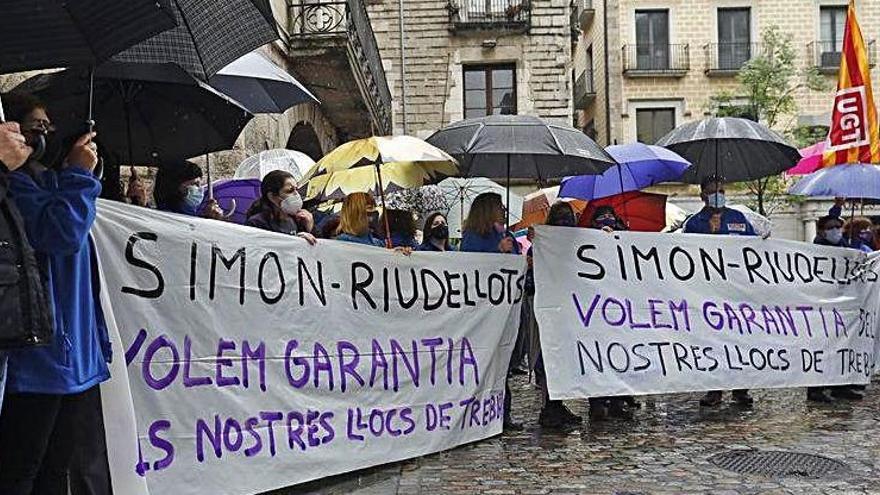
(378, 165)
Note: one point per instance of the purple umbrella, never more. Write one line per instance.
(640, 166)
(236, 195)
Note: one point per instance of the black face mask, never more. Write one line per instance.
(373, 218)
(440, 232)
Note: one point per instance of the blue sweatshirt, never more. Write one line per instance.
(733, 222)
(472, 242)
(58, 213)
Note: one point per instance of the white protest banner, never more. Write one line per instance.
(636, 313)
(248, 361)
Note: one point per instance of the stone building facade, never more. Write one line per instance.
(445, 40)
(666, 58)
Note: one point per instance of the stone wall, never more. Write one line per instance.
(435, 56)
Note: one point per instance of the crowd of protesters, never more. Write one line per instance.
(51, 427)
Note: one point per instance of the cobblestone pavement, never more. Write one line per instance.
(663, 449)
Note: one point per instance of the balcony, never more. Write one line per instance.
(582, 15)
(653, 60)
(333, 51)
(584, 91)
(505, 15)
(726, 59)
(826, 55)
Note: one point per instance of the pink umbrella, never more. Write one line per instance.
(811, 161)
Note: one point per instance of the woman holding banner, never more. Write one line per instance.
(435, 234)
(484, 232)
(607, 220)
(279, 208)
(355, 221)
(553, 414)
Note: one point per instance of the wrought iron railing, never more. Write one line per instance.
(656, 59)
(490, 13)
(311, 19)
(826, 55)
(583, 89)
(729, 57)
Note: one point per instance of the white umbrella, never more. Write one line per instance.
(257, 166)
(460, 193)
(762, 224)
(675, 217)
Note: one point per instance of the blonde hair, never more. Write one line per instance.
(353, 218)
(483, 214)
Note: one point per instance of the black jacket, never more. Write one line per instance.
(25, 311)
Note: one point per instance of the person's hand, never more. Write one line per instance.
(404, 250)
(607, 229)
(14, 151)
(308, 237)
(715, 223)
(305, 220)
(506, 245)
(839, 202)
(84, 153)
(212, 210)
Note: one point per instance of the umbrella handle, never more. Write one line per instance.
(228, 214)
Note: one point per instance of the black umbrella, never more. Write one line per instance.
(147, 113)
(209, 36)
(42, 34)
(260, 85)
(520, 147)
(735, 149)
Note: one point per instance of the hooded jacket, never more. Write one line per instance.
(58, 210)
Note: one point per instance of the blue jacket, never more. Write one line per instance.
(401, 240)
(471, 242)
(58, 213)
(367, 239)
(733, 222)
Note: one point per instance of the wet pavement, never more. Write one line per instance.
(663, 449)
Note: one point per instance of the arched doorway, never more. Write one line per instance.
(303, 138)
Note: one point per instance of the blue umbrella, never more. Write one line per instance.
(856, 181)
(641, 166)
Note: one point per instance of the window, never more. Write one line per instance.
(489, 90)
(832, 21)
(654, 123)
(734, 38)
(652, 39)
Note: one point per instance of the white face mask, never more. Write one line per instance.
(292, 204)
(716, 200)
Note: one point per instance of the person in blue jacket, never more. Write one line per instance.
(357, 218)
(51, 424)
(435, 235)
(716, 218)
(484, 232)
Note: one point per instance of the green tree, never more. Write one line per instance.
(769, 83)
